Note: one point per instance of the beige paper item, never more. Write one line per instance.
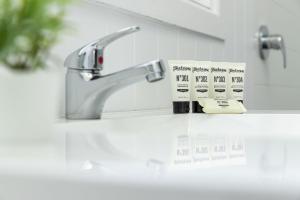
(211, 106)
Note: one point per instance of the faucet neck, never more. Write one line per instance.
(87, 90)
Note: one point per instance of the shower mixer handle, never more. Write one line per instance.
(268, 42)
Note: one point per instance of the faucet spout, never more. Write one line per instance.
(95, 88)
(151, 71)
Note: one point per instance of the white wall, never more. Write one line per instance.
(269, 85)
(158, 40)
(155, 40)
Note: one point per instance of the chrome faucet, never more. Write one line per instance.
(87, 89)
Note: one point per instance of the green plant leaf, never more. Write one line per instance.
(28, 30)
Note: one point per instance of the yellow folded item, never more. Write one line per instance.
(211, 106)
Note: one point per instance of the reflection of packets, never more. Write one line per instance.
(203, 151)
(219, 150)
(200, 148)
(182, 157)
(237, 152)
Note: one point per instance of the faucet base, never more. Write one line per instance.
(82, 117)
(87, 91)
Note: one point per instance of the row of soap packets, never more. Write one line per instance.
(213, 87)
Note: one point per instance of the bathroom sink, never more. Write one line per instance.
(164, 156)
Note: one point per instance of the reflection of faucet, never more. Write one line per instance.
(87, 90)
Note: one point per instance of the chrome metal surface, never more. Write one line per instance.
(268, 42)
(90, 56)
(87, 90)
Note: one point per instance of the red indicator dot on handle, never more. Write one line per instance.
(100, 60)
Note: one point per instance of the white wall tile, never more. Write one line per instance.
(217, 51)
(203, 48)
(159, 40)
(268, 97)
(167, 50)
(118, 56)
(155, 40)
(240, 33)
(147, 96)
(268, 84)
(187, 45)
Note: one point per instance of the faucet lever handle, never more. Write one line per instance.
(90, 56)
(268, 42)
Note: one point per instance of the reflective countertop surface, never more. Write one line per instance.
(211, 155)
(166, 145)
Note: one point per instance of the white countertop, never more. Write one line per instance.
(211, 156)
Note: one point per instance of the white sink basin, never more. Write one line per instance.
(251, 156)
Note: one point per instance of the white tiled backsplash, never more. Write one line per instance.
(90, 21)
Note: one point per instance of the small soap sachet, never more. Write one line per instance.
(211, 106)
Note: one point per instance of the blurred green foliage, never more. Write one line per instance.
(28, 30)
